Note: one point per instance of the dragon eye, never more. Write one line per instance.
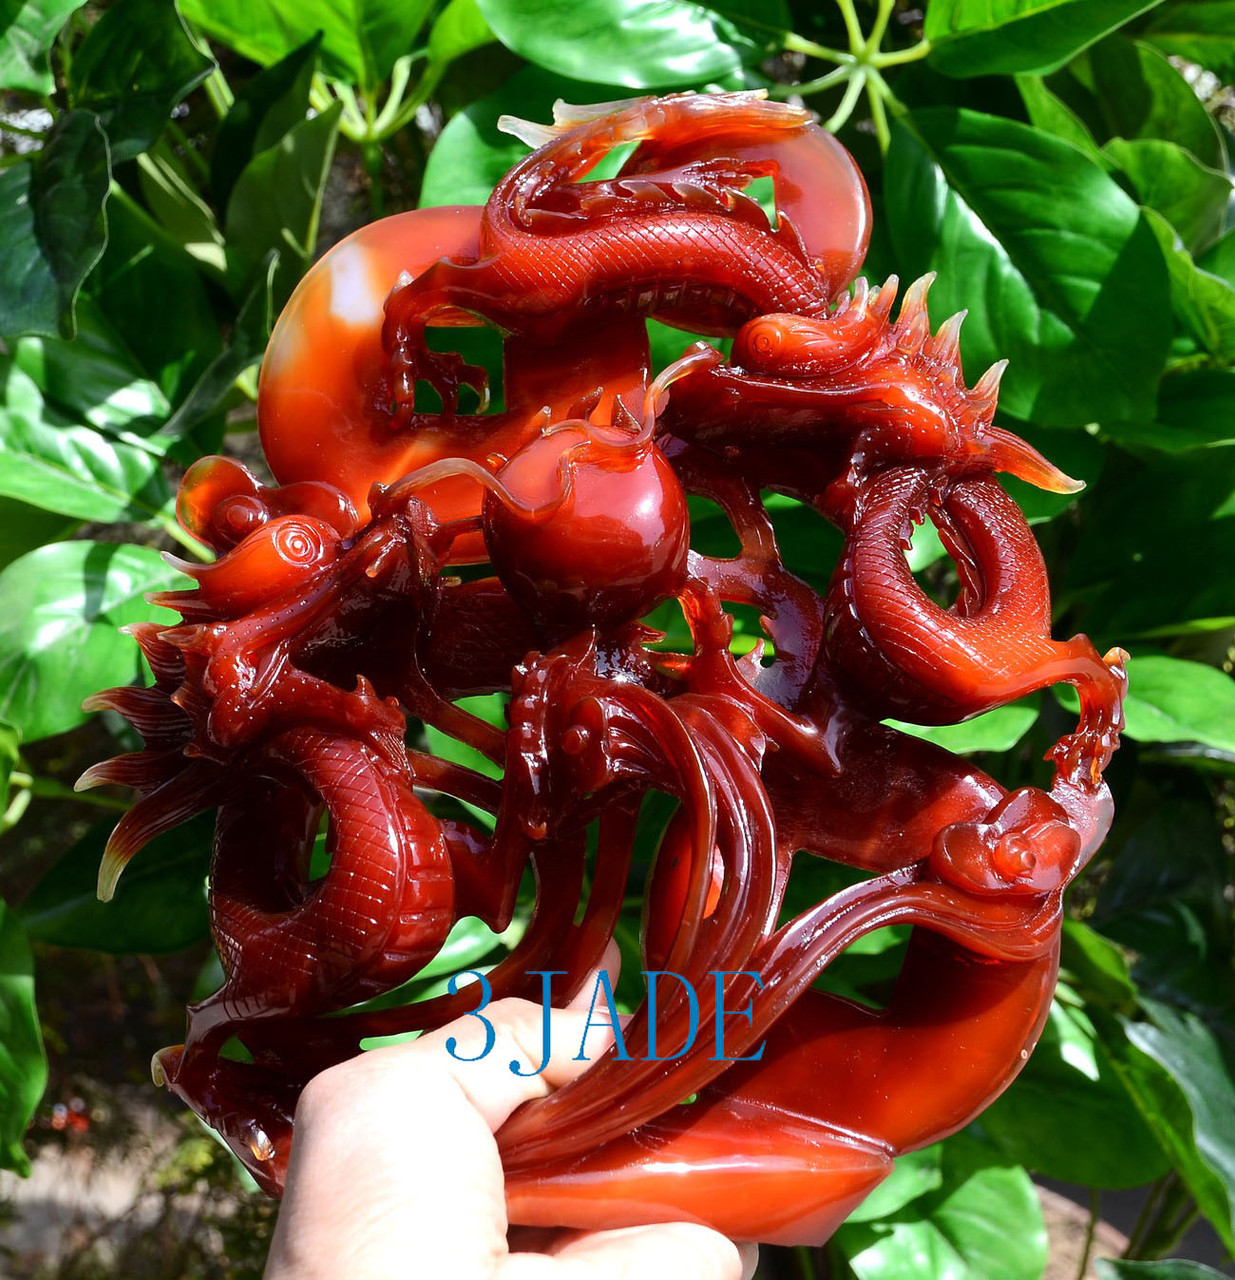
(298, 543)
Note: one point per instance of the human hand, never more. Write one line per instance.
(395, 1171)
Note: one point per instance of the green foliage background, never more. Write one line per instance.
(161, 192)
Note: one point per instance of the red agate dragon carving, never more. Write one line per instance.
(337, 616)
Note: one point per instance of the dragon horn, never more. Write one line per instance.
(1012, 454)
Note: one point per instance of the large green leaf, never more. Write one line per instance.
(1203, 301)
(997, 730)
(60, 607)
(276, 202)
(1203, 31)
(135, 65)
(160, 903)
(153, 296)
(23, 1064)
(1163, 899)
(1068, 1116)
(75, 471)
(23, 527)
(983, 1223)
(1147, 551)
(459, 29)
(245, 344)
(92, 380)
(643, 44)
(52, 226)
(471, 154)
(1170, 1269)
(361, 39)
(1072, 289)
(990, 37)
(913, 1175)
(1141, 95)
(1052, 115)
(29, 27)
(1175, 1069)
(265, 110)
(1170, 700)
(1189, 195)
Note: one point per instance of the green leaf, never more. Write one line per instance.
(60, 607)
(913, 1175)
(75, 471)
(276, 202)
(1052, 115)
(1192, 197)
(1068, 1115)
(1171, 1269)
(993, 37)
(30, 28)
(1073, 290)
(23, 527)
(93, 379)
(1203, 31)
(1170, 700)
(997, 730)
(1096, 967)
(159, 906)
(1141, 96)
(1175, 1070)
(983, 1223)
(361, 39)
(10, 740)
(151, 293)
(1203, 300)
(135, 65)
(1137, 572)
(643, 44)
(460, 29)
(174, 201)
(1163, 900)
(471, 155)
(23, 1064)
(265, 110)
(245, 345)
(52, 226)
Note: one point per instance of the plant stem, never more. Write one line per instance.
(879, 93)
(805, 1263)
(1095, 1207)
(853, 91)
(219, 92)
(852, 25)
(807, 87)
(795, 43)
(898, 57)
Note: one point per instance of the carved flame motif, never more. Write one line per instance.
(331, 619)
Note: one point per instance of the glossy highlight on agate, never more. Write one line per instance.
(335, 614)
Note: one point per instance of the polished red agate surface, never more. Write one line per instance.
(347, 607)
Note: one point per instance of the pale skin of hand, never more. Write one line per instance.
(395, 1172)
